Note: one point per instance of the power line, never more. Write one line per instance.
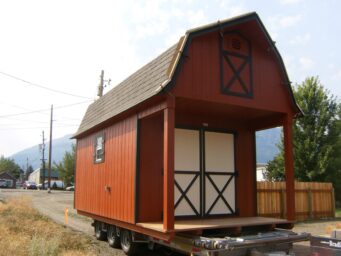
(73, 104)
(32, 128)
(72, 120)
(42, 87)
(14, 106)
(43, 110)
(24, 113)
(38, 122)
(67, 118)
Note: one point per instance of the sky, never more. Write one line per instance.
(52, 52)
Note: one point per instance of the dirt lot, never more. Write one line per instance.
(54, 204)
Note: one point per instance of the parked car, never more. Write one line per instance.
(29, 185)
(18, 184)
(3, 183)
(55, 184)
(70, 188)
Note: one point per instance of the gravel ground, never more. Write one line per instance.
(319, 227)
(54, 204)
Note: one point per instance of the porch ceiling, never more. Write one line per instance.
(243, 115)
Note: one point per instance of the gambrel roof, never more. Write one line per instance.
(143, 84)
(158, 74)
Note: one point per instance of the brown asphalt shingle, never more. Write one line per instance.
(138, 87)
(147, 81)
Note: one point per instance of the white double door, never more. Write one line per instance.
(204, 173)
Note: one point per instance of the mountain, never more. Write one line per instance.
(265, 140)
(59, 147)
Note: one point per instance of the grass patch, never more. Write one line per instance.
(24, 231)
(81, 217)
(338, 213)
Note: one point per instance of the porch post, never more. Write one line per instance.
(168, 166)
(289, 167)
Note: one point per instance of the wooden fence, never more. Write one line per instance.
(313, 200)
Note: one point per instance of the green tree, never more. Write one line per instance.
(334, 165)
(28, 172)
(275, 169)
(66, 168)
(8, 165)
(312, 134)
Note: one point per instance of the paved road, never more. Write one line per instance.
(54, 204)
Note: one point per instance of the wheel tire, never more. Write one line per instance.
(99, 233)
(128, 246)
(113, 239)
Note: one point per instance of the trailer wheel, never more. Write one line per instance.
(99, 233)
(113, 239)
(129, 247)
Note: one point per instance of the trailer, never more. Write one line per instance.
(326, 245)
(168, 155)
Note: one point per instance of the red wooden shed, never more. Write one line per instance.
(172, 147)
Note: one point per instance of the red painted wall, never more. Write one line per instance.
(200, 76)
(117, 172)
(151, 169)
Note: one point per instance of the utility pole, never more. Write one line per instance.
(43, 159)
(50, 151)
(101, 84)
(26, 173)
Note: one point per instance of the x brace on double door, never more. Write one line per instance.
(206, 188)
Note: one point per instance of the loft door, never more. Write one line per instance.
(219, 181)
(204, 179)
(187, 187)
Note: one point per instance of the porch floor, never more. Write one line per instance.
(201, 224)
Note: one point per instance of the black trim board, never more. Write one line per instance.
(202, 164)
(75, 176)
(255, 170)
(137, 170)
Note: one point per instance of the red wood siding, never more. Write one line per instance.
(246, 180)
(200, 75)
(150, 169)
(117, 173)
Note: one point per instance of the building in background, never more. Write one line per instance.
(7, 180)
(38, 176)
(261, 171)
